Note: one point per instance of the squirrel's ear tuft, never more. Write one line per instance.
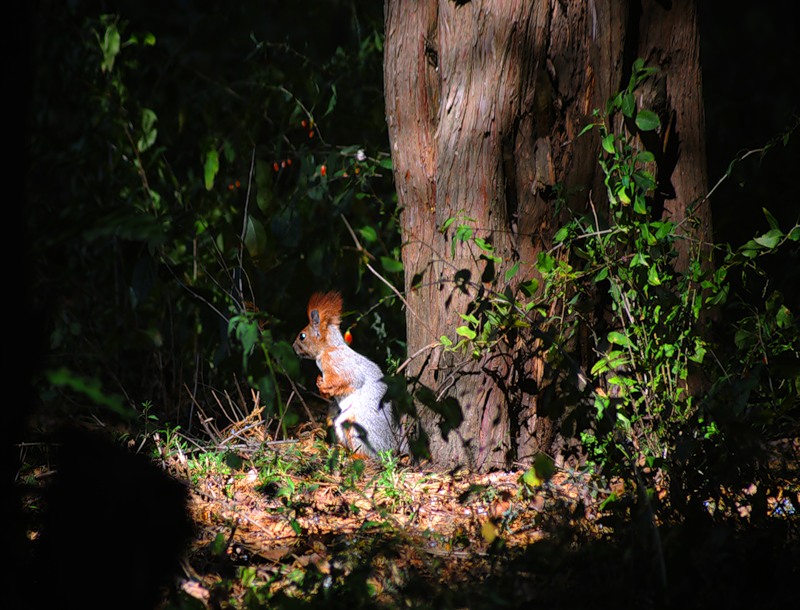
(326, 306)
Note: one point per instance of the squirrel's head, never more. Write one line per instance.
(324, 312)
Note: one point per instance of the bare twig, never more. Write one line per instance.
(415, 354)
(372, 270)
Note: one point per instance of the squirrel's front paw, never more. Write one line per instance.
(324, 388)
(334, 386)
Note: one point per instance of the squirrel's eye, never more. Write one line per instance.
(302, 336)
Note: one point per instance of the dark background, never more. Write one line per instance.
(749, 53)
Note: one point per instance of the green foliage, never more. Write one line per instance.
(391, 480)
(679, 365)
(198, 188)
(89, 388)
(656, 356)
(538, 474)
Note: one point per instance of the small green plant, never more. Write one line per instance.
(640, 392)
(495, 314)
(391, 481)
(655, 338)
(651, 337)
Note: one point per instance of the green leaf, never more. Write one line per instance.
(784, 318)
(463, 233)
(652, 277)
(246, 332)
(541, 471)
(149, 131)
(663, 229)
(386, 163)
(544, 467)
(617, 338)
(614, 104)
(512, 271)
(609, 501)
(628, 104)
(773, 224)
(466, 331)
(600, 275)
(561, 235)
(255, 237)
(601, 403)
(749, 249)
(445, 340)
(530, 287)
(90, 388)
(743, 339)
(601, 366)
(770, 239)
(391, 265)
(621, 382)
(110, 46)
(483, 244)
(368, 233)
(530, 479)
(545, 263)
(645, 157)
(647, 120)
(332, 101)
(699, 352)
(608, 144)
(468, 317)
(219, 545)
(211, 168)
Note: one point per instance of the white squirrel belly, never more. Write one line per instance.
(346, 403)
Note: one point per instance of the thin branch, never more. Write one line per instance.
(245, 216)
(360, 248)
(415, 354)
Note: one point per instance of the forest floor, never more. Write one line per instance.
(300, 524)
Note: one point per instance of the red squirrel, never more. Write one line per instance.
(365, 423)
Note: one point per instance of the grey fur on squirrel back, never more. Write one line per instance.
(366, 424)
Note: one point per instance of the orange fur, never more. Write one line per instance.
(329, 305)
(332, 359)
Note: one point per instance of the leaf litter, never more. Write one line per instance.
(303, 521)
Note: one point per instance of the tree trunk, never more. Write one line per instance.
(484, 102)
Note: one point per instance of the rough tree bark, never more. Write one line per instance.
(484, 101)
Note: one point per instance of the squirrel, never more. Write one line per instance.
(365, 423)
